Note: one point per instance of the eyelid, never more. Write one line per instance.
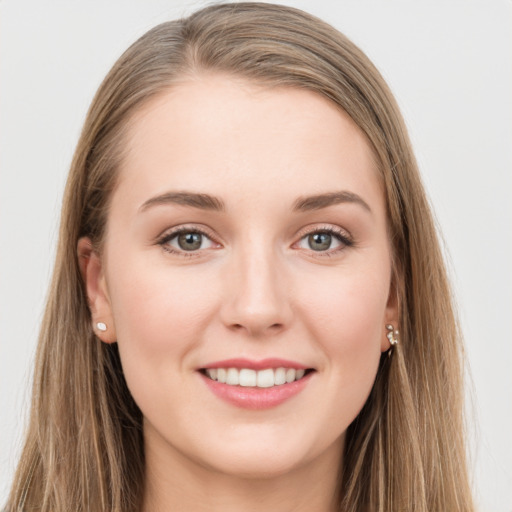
(342, 235)
(322, 227)
(171, 233)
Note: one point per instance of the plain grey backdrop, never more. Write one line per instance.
(449, 63)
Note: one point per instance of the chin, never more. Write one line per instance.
(268, 456)
(259, 466)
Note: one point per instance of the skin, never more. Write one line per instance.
(255, 289)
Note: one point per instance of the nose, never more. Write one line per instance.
(257, 299)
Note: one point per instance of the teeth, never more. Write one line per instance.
(221, 375)
(232, 377)
(279, 376)
(265, 378)
(290, 375)
(251, 378)
(247, 377)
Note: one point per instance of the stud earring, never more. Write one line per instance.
(101, 326)
(392, 334)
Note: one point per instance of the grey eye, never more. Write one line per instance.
(187, 241)
(319, 241)
(190, 241)
(322, 241)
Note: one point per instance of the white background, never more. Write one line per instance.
(448, 62)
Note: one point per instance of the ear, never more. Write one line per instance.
(93, 276)
(391, 316)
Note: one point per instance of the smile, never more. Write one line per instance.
(247, 377)
(256, 385)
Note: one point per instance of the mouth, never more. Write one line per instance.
(256, 384)
(251, 378)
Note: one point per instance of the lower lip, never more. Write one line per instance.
(256, 398)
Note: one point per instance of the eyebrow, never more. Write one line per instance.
(212, 203)
(195, 200)
(319, 201)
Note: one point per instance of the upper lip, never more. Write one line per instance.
(262, 364)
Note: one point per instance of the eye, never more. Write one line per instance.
(186, 240)
(325, 240)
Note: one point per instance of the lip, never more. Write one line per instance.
(254, 398)
(263, 364)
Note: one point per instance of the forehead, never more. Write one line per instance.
(219, 135)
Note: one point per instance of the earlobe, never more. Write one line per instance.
(91, 269)
(391, 319)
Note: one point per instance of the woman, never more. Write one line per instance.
(249, 308)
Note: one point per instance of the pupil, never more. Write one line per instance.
(320, 241)
(189, 241)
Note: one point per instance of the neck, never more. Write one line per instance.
(174, 482)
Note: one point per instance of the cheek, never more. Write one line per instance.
(347, 307)
(152, 304)
(345, 314)
(159, 315)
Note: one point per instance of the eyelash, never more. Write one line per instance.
(165, 239)
(337, 233)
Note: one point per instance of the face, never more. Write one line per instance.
(246, 241)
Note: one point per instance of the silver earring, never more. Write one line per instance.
(101, 326)
(392, 334)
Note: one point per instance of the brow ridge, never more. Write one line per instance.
(212, 203)
(193, 199)
(319, 201)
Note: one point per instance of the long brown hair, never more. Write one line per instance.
(405, 450)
